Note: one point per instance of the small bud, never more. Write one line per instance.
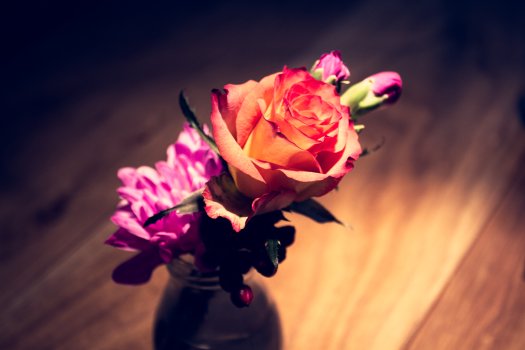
(387, 84)
(330, 68)
(373, 92)
(286, 235)
(264, 265)
(242, 297)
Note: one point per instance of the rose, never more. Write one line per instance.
(286, 138)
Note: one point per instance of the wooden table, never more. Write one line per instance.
(434, 257)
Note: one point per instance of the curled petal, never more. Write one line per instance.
(223, 199)
(229, 103)
(232, 152)
(273, 201)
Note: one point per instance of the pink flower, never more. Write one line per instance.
(332, 65)
(387, 83)
(146, 191)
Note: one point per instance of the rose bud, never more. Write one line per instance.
(330, 68)
(242, 297)
(375, 91)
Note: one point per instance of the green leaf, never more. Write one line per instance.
(314, 210)
(272, 249)
(194, 122)
(188, 205)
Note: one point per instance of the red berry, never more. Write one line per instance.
(242, 297)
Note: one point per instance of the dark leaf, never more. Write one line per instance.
(367, 151)
(194, 122)
(314, 210)
(272, 248)
(190, 204)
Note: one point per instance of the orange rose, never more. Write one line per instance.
(286, 138)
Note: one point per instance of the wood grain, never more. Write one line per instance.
(483, 305)
(415, 208)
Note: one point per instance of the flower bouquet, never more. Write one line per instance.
(273, 146)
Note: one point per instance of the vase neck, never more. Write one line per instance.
(184, 271)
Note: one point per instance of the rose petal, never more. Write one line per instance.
(295, 88)
(230, 102)
(222, 199)
(249, 113)
(267, 145)
(273, 201)
(286, 79)
(308, 184)
(296, 136)
(251, 182)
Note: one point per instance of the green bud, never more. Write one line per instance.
(373, 92)
(360, 98)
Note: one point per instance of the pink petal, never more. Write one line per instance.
(128, 176)
(125, 240)
(130, 223)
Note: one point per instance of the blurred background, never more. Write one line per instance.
(434, 256)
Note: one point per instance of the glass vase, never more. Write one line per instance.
(196, 313)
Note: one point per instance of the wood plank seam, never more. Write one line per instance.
(515, 179)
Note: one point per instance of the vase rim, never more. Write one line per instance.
(184, 270)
